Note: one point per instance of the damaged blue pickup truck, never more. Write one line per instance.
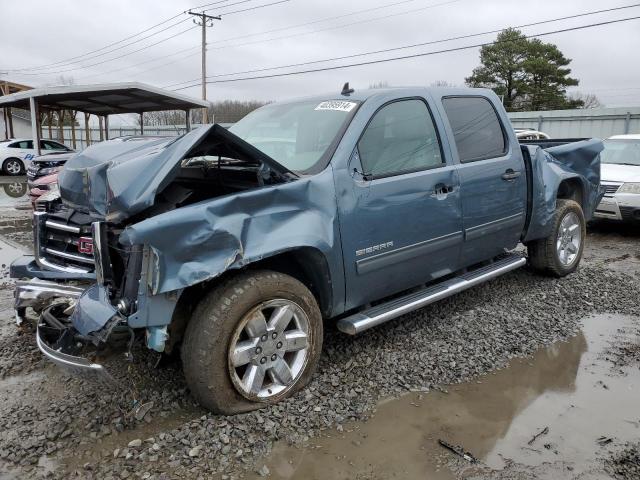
(232, 246)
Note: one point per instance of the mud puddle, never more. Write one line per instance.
(579, 403)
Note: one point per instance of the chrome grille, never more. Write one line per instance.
(611, 188)
(56, 245)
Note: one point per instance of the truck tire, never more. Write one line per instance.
(559, 254)
(253, 340)
(13, 166)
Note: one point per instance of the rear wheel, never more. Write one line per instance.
(13, 166)
(559, 254)
(254, 340)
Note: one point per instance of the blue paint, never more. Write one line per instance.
(407, 231)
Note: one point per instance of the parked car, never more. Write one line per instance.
(530, 134)
(620, 173)
(46, 165)
(234, 245)
(41, 186)
(16, 154)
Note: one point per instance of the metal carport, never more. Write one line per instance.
(101, 100)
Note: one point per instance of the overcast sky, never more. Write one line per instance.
(38, 32)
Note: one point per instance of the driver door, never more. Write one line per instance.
(404, 226)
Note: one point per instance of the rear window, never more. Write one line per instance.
(476, 128)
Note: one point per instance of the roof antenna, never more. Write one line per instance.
(346, 90)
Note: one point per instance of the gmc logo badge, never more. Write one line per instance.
(85, 245)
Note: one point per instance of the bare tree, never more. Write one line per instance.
(379, 84)
(226, 111)
(589, 100)
(442, 83)
(64, 80)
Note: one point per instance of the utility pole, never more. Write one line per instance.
(204, 21)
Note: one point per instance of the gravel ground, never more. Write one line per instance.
(60, 427)
(625, 464)
(94, 433)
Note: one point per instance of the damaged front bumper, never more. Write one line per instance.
(75, 365)
(74, 351)
(74, 324)
(38, 294)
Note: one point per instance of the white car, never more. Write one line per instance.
(16, 154)
(620, 176)
(530, 134)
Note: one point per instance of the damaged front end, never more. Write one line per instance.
(61, 343)
(91, 286)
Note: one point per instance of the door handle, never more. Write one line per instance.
(510, 174)
(441, 190)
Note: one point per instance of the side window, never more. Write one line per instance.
(49, 145)
(400, 138)
(28, 144)
(476, 128)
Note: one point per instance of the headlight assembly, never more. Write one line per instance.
(630, 188)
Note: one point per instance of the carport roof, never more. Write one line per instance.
(103, 99)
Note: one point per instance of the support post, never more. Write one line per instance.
(87, 132)
(187, 120)
(6, 124)
(73, 114)
(106, 127)
(61, 115)
(141, 123)
(627, 123)
(49, 122)
(35, 131)
(540, 123)
(100, 127)
(11, 135)
(41, 118)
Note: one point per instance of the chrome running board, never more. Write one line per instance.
(361, 321)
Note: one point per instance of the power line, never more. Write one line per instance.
(335, 27)
(415, 55)
(357, 12)
(253, 8)
(128, 67)
(114, 58)
(432, 42)
(71, 59)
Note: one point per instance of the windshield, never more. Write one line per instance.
(621, 152)
(296, 135)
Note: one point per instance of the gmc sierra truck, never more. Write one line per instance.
(234, 246)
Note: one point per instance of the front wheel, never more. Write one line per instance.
(559, 254)
(13, 166)
(254, 340)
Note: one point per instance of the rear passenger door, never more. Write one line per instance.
(492, 178)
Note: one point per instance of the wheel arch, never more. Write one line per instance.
(306, 264)
(572, 188)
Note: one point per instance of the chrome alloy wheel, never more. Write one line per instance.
(13, 167)
(269, 349)
(569, 239)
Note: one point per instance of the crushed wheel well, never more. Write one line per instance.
(306, 265)
(571, 189)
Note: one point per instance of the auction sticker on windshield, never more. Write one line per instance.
(339, 105)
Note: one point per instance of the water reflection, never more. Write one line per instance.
(493, 417)
(12, 188)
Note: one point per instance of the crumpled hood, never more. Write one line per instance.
(117, 179)
(612, 172)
